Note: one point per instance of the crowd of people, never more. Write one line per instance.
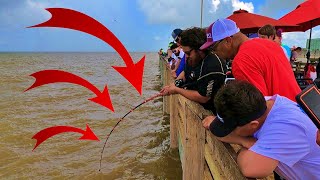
(257, 110)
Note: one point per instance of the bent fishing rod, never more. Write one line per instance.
(105, 143)
(145, 101)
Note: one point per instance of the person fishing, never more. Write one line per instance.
(203, 74)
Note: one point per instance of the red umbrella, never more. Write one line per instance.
(250, 23)
(307, 15)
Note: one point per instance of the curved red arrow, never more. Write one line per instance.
(44, 134)
(55, 76)
(67, 18)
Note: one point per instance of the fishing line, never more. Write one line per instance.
(105, 143)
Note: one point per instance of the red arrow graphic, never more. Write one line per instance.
(44, 134)
(67, 18)
(55, 76)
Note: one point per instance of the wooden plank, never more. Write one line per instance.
(181, 116)
(161, 64)
(212, 164)
(173, 123)
(163, 83)
(207, 174)
(222, 159)
(165, 99)
(181, 151)
(194, 149)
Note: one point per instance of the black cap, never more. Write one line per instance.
(221, 127)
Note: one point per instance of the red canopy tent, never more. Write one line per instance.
(250, 23)
(306, 15)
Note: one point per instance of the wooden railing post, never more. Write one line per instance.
(173, 122)
(194, 150)
(165, 82)
(161, 62)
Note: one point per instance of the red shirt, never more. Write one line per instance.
(263, 63)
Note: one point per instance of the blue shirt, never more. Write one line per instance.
(289, 136)
(181, 65)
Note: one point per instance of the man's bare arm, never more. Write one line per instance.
(255, 165)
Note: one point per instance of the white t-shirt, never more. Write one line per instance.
(174, 56)
(181, 54)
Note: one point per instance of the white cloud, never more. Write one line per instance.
(22, 13)
(295, 39)
(157, 38)
(215, 4)
(36, 5)
(236, 4)
(183, 14)
(161, 11)
(299, 38)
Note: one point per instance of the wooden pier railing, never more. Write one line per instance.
(202, 155)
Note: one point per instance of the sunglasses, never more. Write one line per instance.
(216, 44)
(188, 52)
(214, 47)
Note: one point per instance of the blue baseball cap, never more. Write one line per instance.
(218, 30)
(175, 33)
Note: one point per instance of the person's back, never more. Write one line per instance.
(288, 135)
(263, 63)
(294, 54)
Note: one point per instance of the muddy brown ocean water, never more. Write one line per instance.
(138, 148)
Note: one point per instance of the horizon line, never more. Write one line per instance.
(73, 51)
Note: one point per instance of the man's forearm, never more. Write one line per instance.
(255, 165)
(231, 139)
(193, 95)
(246, 142)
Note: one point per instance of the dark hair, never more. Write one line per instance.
(193, 37)
(298, 48)
(173, 46)
(267, 30)
(239, 101)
